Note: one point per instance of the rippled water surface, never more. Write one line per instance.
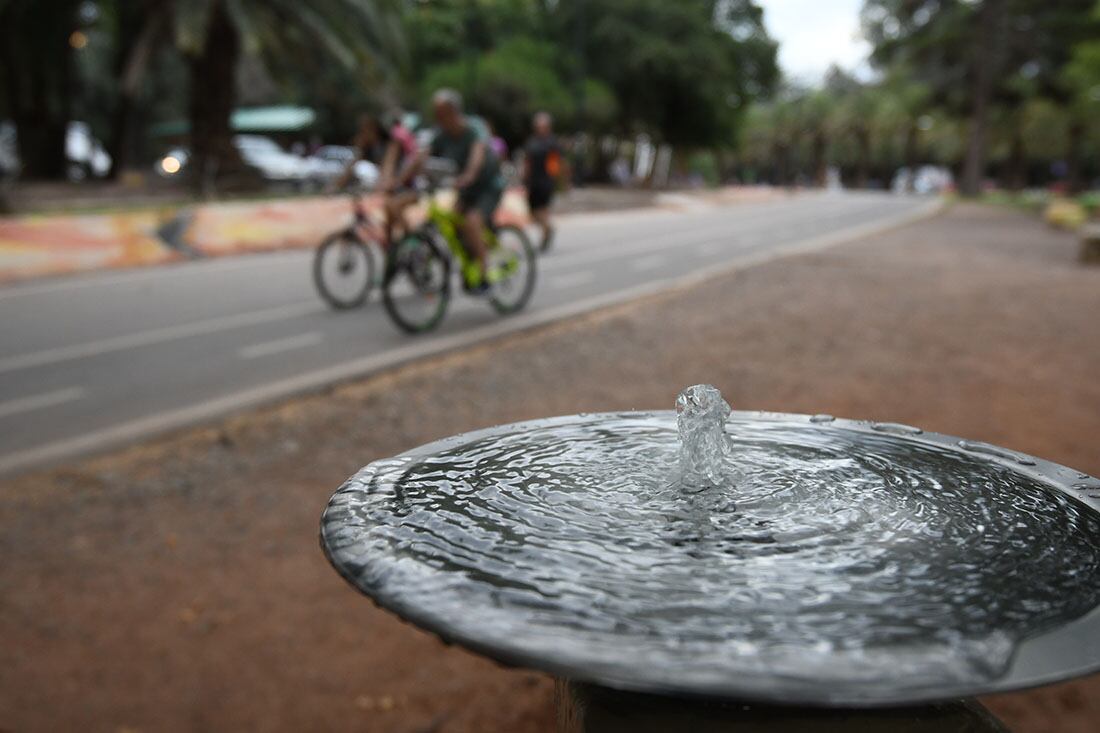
(830, 553)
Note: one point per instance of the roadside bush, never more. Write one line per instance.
(1065, 214)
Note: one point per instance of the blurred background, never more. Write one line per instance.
(131, 99)
(819, 206)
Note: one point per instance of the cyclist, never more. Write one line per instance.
(542, 165)
(479, 183)
(391, 148)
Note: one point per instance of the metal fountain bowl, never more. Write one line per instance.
(848, 563)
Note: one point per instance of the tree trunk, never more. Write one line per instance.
(863, 164)
(1017, 161)
(819, 163)
(138, 45)
(1074, 151)
(213, 95)
(986, 62)
(37, 64)
(779, 161)
(912, 137)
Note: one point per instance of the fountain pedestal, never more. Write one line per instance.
(586, 708)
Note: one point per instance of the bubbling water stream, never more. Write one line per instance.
(783, 547)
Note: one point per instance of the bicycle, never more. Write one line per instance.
(416, 288)
(344, 264)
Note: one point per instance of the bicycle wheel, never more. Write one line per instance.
(417, 286)
(512, 272)
(343, 270)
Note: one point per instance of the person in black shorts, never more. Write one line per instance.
(542, 166)
(479, 182)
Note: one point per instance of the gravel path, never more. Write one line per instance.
(178, 585)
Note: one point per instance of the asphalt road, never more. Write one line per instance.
(93, 361)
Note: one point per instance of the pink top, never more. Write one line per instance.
(405, 139)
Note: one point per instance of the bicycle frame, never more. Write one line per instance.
(364, 227)
(448, 223)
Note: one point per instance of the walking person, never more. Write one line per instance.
(542, 167)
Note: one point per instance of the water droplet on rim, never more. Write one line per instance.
(895, 428)
(974, 446)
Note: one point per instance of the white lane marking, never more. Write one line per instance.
(572, 280)
(144, 427)
(157, 335)
(40, 401)
(278, 346)
(166, 270)
(647, 263)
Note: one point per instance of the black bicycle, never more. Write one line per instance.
(346, 262)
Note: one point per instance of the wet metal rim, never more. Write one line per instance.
(1067, 651)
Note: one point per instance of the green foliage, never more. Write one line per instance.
(682, 72)
(975, 56)
(515, 80)
(704, 164)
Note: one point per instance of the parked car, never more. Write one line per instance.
(273, 163)
(927, 179)
(327, 164)
(278, 166)
(261, 153)
(172, 163)
(86, 155)
(330, 161)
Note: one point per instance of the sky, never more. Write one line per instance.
(814, 34)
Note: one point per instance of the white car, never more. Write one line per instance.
(279, 166)
(273, 163)
(335, 158)
(86, 155)
(259, 152)
(928, 179)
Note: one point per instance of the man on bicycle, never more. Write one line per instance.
(479, 183)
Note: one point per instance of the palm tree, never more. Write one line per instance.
(213, 34)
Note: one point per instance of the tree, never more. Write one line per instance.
(683, 72)
(138, 27)
(36, 64)
(1081, 78)
(517, 79)
(969, 51)
(853, 115)
(213, 35)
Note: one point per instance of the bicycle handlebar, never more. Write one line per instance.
(439, 173)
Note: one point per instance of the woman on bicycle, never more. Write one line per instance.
(391, 148)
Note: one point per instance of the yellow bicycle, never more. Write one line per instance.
(416, 289)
